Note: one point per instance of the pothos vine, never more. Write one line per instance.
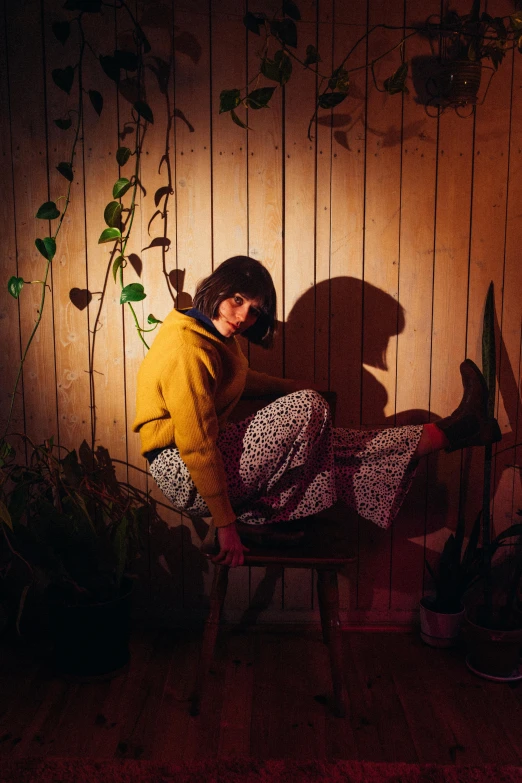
(118, 217)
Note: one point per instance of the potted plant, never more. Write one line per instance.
(441, 615)
(494, 618)
(466, 41)
(75, 529)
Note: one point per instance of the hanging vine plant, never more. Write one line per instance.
(473, 37)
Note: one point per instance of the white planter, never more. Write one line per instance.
(438, 629)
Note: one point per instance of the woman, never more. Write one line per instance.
(286, 461)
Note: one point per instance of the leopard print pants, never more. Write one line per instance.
(287, 461)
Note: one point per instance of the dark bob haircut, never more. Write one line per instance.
(241, 275)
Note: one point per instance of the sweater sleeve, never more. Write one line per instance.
(189, 393)
(261, 383)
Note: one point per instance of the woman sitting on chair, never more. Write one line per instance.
(286, 461)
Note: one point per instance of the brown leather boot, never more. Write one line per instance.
(469, 424)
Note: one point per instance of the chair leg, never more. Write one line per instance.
(328, 594)
(217, 598)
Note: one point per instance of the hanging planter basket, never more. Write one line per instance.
(460, 82)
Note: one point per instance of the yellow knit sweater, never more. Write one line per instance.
(188, 384)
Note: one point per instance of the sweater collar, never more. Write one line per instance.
(204, 320)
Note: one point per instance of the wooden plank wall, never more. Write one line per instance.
(382, 234)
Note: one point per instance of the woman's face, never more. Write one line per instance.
(236, 314)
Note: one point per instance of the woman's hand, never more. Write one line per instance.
(231, 550)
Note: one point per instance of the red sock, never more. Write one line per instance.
(432, 439)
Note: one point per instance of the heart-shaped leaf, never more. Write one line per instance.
(279, 69)
(109, 235)
(290, 9)
(258, 99)
(116, 264)
(90, 6)
(47, 247)
(253, 22)
(121, 186)
(397, 83)
(110, 67)
(48, 211)
(228, 100)
(129, 61)
(330, 99)
(96, 100)
(151, 319)
(63, 78)
(63, 124)
(66, 171)
(61, 31)
(80, 297)
(312, 55)
(122, 155)
(134, 292)
(15, 285)
(144, 111)
(112, 214)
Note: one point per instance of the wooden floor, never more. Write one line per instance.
(265, 698)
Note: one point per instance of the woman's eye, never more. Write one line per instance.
(238, 300)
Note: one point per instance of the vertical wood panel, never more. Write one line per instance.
(30, 190)
(69, 273)
(299, 245)
(229, 168)
(9, 309)
(418, 183)
(381, 270)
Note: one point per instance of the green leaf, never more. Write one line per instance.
(331, 99)
(47, 247)
(253, 22)
(312, 55)
(66, 171)
(237, 120)
(121, 186)
(258, 99)
(61, 31)
(144, 111)
(5, 516)
(279, 69)
(340, 80)
(110, 67)
(15, 285)
(151, 319)
(286, 31)
(89, 6)
(118, 261)
(48, 211)
(109, 235)
(290, 9)
(112, 214)
(489, 359)
(228, 100)
(63, 124)
(122, 155)
(397, 83)
(129, 61)
(134, 292)
(97, 101)
(63, 78)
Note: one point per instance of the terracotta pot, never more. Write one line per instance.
(439, 629)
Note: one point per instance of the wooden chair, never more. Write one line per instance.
(318, 549)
